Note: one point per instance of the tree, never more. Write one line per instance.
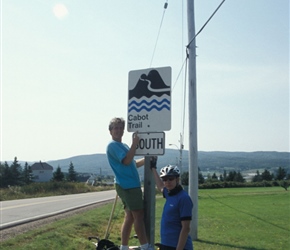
(225, 175)
(281, 174)
(58, 175)
(214, 177)
(72, 175)
(27, 175)
(267, 176)
(231, 176)
(16, 173)
(5, 175)
(184, 178)
(238, 177)
(235, 176)
(257, 177)
(200, 178)
(284, 184)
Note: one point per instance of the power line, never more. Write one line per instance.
(165, 7)
(195, 37)
(185, 61)
(206, 23)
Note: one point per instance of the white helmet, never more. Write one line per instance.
(169, 170)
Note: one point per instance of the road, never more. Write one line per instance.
(17, 212)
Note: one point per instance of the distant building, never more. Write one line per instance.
(42, 172)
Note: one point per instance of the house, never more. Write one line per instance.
(42, 172)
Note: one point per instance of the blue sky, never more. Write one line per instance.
(65, 66)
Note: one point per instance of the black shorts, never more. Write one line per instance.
(163, 247)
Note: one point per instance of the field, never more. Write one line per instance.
(233, 218)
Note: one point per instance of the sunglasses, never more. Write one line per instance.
(168, 179)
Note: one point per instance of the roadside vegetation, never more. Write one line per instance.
(232, 213)
(17, 182)
(45, 189)
(228, 218)
(231, 179)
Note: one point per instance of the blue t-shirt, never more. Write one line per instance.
(125, 175)
(176, 208)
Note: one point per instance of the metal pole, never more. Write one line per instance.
(192, 116)
(180, 153)
(149, 201)
(111, 217)
(178, 159)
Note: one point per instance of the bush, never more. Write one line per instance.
(232, 184)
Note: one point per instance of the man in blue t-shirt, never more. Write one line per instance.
(177, 210)
(127, 183)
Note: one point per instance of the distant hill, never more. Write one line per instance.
(207, 161)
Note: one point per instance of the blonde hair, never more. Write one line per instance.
(115, 121)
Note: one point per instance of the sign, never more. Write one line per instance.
(149, 100)
(151, 143)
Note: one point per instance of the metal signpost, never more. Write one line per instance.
(149, 115)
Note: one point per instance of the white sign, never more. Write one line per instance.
(149, 100)
(151, 144)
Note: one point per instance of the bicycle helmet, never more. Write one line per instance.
(169, 170)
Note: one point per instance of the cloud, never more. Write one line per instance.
(60, 11)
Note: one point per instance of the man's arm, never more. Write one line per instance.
(131, 153)
(158, 181)
(183, 234)
(140, 162)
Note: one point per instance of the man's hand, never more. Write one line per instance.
(135, 139)
(153, 162)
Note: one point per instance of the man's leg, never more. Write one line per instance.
(127, 227)
(139, 226)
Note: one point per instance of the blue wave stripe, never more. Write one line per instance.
(149, 109)
(149, 103)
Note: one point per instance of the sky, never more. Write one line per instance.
(65, 67)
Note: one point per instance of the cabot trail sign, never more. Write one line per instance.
(149, 100)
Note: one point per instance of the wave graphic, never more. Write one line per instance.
(149, 109)
(159, 103)
(148, 103)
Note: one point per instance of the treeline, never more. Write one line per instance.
(280, 174)
(235, 179)
(16, 175)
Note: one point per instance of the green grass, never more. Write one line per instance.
(244, 218)
(233, 218)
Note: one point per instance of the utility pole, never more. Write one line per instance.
(180, 153)
(180, 148)
(192, 116)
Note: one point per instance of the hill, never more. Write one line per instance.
(216, 161)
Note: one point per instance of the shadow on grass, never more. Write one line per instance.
(252, 215)
(227, 245)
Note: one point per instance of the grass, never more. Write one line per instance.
(236, 218)
(244, 218)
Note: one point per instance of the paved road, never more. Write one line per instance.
(20, 211)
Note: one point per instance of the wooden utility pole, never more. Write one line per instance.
(192, 116)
